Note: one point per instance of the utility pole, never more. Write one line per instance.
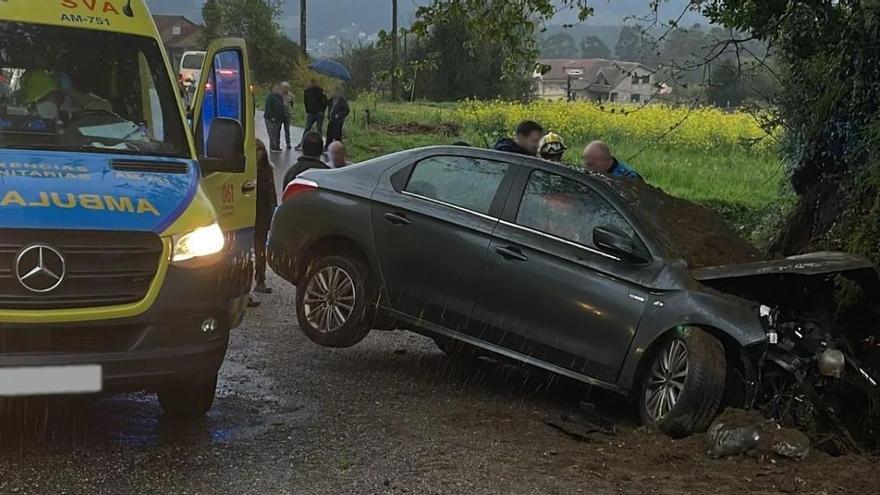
(393, 50)
(303, 35)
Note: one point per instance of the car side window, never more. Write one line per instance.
(567, 209)
(469, 183)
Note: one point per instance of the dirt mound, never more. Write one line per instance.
(686, 230)
(450, 129)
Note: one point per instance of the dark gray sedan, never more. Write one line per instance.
(613, 283)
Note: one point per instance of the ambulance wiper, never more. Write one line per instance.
(117, 148)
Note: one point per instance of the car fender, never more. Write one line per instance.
(736, 321)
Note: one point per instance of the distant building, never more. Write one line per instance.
(179, 35)
(597, 79)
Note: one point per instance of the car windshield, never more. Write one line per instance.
(193, 61)
(686, 230)
(83, 90)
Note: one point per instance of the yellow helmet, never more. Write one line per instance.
(36, 84)
(552, 145)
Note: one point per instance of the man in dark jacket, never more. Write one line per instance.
(526, 142)
(312, 148)
(273, 113)
(315, 101)
(339, 111)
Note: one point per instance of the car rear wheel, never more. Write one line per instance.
(682, 387)
(332, 302)
(188, 399)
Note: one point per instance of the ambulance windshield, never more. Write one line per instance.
(84, 90)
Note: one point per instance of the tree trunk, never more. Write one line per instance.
(394, 50)
(303, 34)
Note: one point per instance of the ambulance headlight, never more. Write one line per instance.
(200, 243)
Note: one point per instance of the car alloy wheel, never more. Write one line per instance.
(667, 380)
(329, 299)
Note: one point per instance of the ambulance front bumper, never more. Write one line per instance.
(183, 334)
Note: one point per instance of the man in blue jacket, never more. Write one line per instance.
(599, 159)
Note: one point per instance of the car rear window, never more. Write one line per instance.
(193, 61)
(469, 183)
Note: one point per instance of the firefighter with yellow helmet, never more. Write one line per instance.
(552, 147)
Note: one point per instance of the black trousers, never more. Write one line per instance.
(285, 124)
(261, 235)
(334, 131)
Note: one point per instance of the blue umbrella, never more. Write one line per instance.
(331, 68)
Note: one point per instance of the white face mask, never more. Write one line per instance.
(47, 110)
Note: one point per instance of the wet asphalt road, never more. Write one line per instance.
(392, 415)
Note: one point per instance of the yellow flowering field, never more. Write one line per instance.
(699, 129)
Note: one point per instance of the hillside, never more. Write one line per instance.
(330, 20)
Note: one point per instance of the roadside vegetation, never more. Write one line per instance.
(719, 159)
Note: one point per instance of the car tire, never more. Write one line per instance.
(188, 399)
(683, 383)
(333, 302)
(457, 349)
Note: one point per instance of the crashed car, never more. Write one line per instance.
(612, 283)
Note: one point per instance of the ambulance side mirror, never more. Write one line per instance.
(225, 148)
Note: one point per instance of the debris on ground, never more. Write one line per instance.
(450, 129)
(583, 424)
(738, 432)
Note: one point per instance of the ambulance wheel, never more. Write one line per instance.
(188, 399)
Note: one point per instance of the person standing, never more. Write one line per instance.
(525, 142)
(287, 98)
(312, 148)
(273, 114)
(315, 101)
(267, 200)
(339, 111)
(599, 159)
(337, 155)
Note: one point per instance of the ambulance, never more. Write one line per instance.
(126, 219)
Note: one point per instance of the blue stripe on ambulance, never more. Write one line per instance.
(64, 190)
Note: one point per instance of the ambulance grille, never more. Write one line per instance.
(100, 268)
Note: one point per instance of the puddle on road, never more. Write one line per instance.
(246, 407)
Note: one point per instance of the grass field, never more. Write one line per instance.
(709, 159)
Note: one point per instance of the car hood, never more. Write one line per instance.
(91, 191)
(775, 280)
(821, 263)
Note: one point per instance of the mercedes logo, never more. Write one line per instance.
(39, 268)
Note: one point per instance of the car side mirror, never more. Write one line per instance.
(615, 242)
(225, 148)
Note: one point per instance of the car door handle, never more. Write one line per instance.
(511, 253)
(249, 187)
(397, 219)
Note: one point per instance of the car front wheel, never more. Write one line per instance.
(682, 387)
(333, 301)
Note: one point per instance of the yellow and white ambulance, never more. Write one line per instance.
(126, 225)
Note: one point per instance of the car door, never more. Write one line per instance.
(433, 221)
(224, 92)
(547, 291)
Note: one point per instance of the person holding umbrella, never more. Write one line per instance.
(338, 106)
(339, 111)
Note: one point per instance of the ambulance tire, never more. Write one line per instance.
(188, 399)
